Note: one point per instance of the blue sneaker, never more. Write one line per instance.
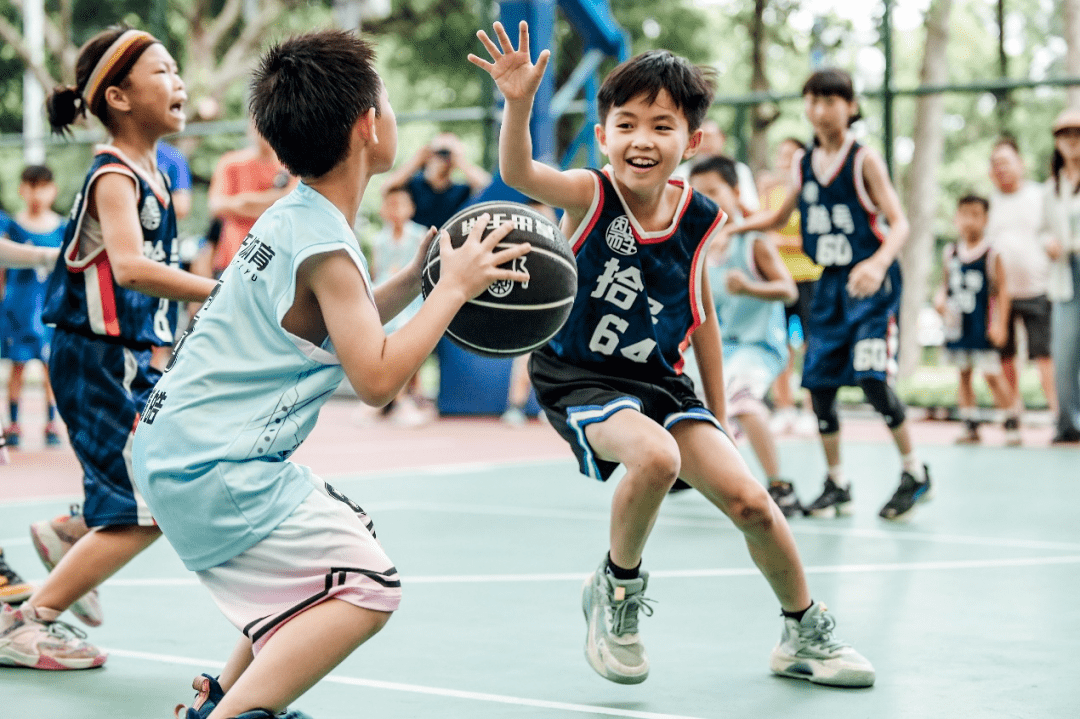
(264, 714)
(908, 494)
(209, 693)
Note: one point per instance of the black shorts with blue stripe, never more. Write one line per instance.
(573, 398)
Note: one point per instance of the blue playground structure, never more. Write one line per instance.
(470, 384)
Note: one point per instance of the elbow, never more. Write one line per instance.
(792, 295)
(125, 274)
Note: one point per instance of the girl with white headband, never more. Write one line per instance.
(113, 299)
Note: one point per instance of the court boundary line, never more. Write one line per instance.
(940, 565)
(420, 689)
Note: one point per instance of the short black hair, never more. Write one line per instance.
(307, 94)
(691, 86)
(972, 199)
(36, 175)
(720, 164)
(832, 81)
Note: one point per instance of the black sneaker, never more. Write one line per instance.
(833, 501)
(907, 495)
(1012, 432)
(784, 495)
(1070, 436)
(971, 433)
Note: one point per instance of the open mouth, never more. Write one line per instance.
(177, 108)
(642, 163)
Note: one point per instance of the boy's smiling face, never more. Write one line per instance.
(645, 141)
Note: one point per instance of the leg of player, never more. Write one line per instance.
(12, 433)
(965, 401)
(52, 432)
(614, 594)
(914, 476)
(761, 439)
(835, 498)
(1045, 366)
(91, 560)
(299, 654)
(807, 649)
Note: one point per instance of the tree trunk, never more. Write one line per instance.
(920, 186)
(1072, 51)
(761, 116)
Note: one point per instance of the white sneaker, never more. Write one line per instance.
(808, 650)
(52, 539)
(28, 639)
(611, 607)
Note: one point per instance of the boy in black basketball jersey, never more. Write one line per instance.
(611, 380)
(975, 305)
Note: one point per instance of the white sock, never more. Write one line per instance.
(836, 474)
(912, 464)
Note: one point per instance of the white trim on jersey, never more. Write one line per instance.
(95, 313)
(589, 220)
(832, 170)
(860, 183)
(158, 184)
(642, 235)
(699, 414)
(579, 418)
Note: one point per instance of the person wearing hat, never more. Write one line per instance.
(1061, 210)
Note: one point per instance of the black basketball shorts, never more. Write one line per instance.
(573, 398)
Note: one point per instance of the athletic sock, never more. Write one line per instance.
(620, 573)
(912, 465)
(13, 412)
(797, 616)
(836, 474)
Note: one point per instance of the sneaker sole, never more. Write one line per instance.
(15, 593)
(50, 550)
(843, 509)
(51, 663)
(800, 669)
(592, 652)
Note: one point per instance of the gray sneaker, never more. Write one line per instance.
(808, 650)
(611, 611)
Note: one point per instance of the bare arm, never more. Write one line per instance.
(378, 366)
(476, 177)
(867, 276)
(19, 256)
(114, 201)
(242, 205)
(399, 177)
(709, 355)
(518, 80)
(181, 201)
(777, 284)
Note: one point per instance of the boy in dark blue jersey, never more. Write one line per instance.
(842, 190)
(611, 380)
(975, 306)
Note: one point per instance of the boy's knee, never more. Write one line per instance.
(751, 509)
(659, 461)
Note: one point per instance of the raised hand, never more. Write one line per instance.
(512, 70)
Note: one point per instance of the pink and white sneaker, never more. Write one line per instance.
(52, 539)
(29, 638)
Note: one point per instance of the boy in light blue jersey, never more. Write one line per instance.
(750, 286)
(291, 562)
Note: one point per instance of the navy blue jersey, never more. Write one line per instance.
(968, 298)
(839, 221)
(82, 295)
(639, 293)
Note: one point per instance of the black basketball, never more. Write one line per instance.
(512, 318)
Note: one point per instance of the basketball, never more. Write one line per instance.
(511, 318)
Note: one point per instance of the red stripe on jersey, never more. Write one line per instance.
(591, 220)
(107, 293)
(696, 302)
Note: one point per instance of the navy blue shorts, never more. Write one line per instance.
(850, 339)
(101, 387)
(573, 398)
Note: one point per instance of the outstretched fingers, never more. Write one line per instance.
(504, 39)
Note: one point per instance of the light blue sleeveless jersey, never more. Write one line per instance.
(746, 320)
(211, 451)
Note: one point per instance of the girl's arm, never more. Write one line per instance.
(867, 276)
(777, 283)
(19, 256)
(113, 200)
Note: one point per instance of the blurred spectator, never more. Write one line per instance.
(173, 163)
(245, 183)
(1063, 219)
(1014, 229)
(428, 178)
(775, 186)
(23, 334)
(713, 141)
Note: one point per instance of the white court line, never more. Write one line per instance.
(673, 573)
(718, 522)
(420, 689)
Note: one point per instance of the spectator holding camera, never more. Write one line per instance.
(428, 178)
(245, 183)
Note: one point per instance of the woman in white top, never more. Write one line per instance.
(1062, 217)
